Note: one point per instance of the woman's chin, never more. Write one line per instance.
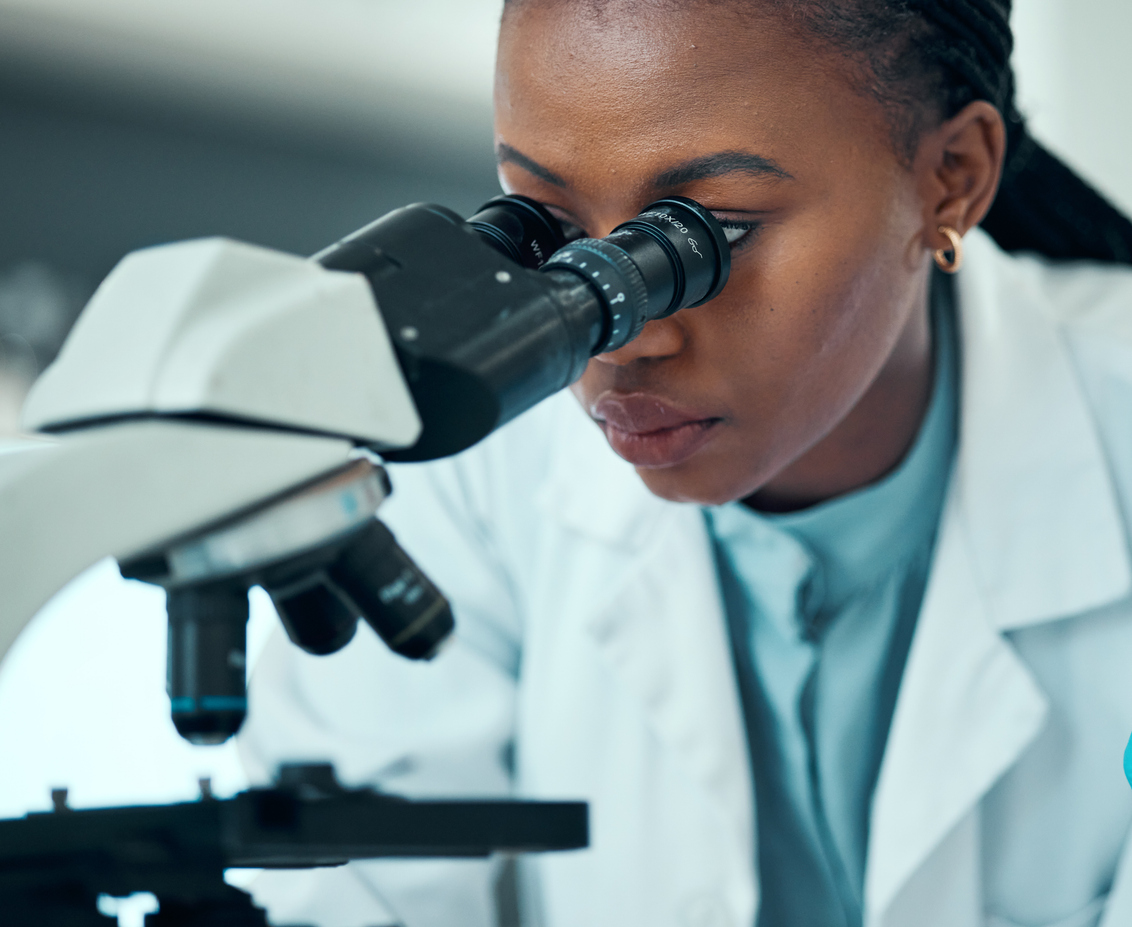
(699, 482)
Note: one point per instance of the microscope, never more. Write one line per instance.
(218, 419)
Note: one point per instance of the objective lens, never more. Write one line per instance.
(314, 615)
(673, 255)
(206, 660)
(520, 228)
(389, 590)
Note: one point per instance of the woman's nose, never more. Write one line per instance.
(659, 339)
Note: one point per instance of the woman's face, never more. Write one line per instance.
(600, 113)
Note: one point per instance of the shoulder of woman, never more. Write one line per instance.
(1084, 298)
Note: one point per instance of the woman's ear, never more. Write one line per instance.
(959, 165)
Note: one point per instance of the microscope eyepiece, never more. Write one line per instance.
(672, 255)
(521, 228)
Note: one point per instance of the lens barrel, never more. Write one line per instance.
(520, 228)
(699, 256)
(314, 614)
(392, 594)
(671, 256)
(207, 660)
(320, 597)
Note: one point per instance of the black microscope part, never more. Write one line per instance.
(519, 227)
(319, 596)
(365, 575)
(671, 256)
(392, 594)
(315, 615)
(54, 866)
(481, 337)
(206, 660)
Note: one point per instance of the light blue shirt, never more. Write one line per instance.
(822, 604)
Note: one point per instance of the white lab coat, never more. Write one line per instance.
(1001, 799)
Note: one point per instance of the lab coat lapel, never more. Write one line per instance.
(661, 628)
(1031, 532)
(967, 709)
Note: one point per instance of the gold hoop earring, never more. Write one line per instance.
(943, 262)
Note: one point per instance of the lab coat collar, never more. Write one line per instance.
(1031, 482)
(966, 711)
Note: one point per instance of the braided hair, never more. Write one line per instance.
(927, 59)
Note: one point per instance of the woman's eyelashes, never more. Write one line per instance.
(738, 234)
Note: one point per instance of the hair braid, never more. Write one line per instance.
(980, 54)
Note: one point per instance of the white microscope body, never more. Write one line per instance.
(204, 380)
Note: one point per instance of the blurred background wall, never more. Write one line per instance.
(289, 123)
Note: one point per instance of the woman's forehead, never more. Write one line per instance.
(662, 90)
(545, 45)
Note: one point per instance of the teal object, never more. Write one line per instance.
(822, 604)
(1128, 761)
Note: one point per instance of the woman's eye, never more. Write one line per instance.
(571, 231)
(735, 232)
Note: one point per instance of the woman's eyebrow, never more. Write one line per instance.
(722, 162)
(505, 154)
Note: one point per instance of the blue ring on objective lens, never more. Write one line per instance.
(223, 703)
(183, 705)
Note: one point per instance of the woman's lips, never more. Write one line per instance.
(649, 432)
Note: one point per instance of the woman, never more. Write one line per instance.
(841, 633)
